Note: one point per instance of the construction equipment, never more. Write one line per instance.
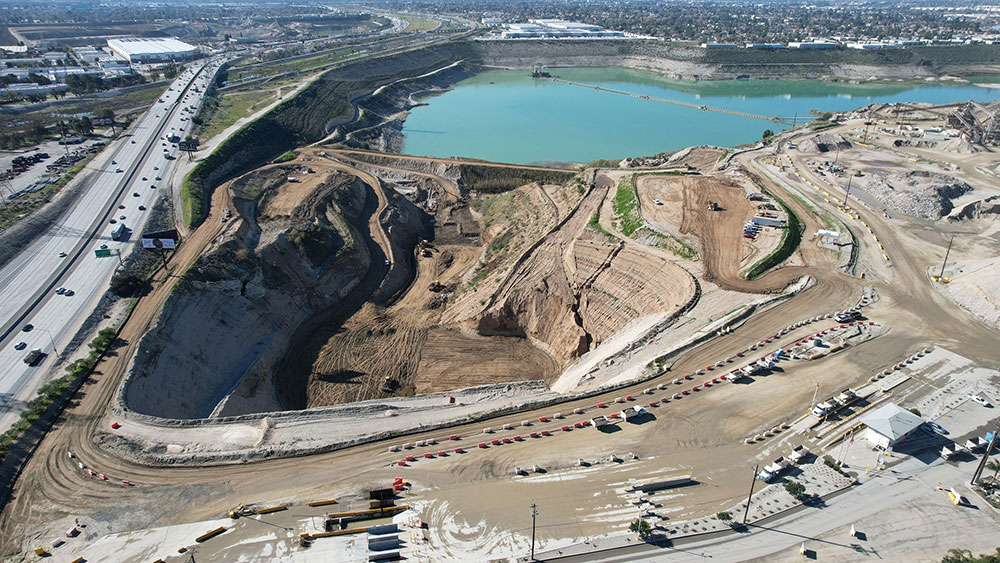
(713, 206)
(435, 286)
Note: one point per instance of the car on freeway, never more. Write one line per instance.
(104, 247)
(932, 426)
(981, 400)
(121, 217)
(112, 221)
(152, 186)
(157, 177)
(114, 162)
(62, 254)
(28, 327)
(118, 170)
(156, 168)
(135, 194)
(70, 293)
(142, 208)
(60, 291)
(143, 178)
(133, 142)
(122, 206)
(20, 346)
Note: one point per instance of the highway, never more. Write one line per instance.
(127, 179)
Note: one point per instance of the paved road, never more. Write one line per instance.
(127, 167)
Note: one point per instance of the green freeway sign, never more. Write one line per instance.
(102, 252)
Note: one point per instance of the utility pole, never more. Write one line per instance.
(750, 496)
(946, 253)
(986, 456)
(816, 392)
(847, 193)
(534, 513)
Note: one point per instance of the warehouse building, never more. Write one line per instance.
(153, 50)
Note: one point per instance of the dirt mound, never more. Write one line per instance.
(825, 142)
(957, 146)
(918, 193)
(978, 209)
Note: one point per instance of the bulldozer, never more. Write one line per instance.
(713, 206)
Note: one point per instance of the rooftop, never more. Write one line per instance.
(892, 421)
(143, 46)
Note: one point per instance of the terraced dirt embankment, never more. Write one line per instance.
(290, 251)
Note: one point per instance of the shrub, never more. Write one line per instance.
(126, 284)
(795, 488)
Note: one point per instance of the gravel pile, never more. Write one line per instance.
(826, 142)
(918, 194)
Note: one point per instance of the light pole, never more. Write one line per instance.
(52, 340)
(534, 513)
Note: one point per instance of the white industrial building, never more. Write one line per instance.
(152, 50)
(888, 425)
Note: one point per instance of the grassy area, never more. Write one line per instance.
(233, 106)
(790, 239)
(60, 388)
(27, 204)
(626, 207)
(317, 62)
(419, 23)
(285, 157)
(595, 223)
(667, 242)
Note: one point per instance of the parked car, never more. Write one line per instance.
(981, 400)
(935, 427)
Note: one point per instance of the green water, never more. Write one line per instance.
(508, 116)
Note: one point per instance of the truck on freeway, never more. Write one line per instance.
(119, 231)
(34, 356)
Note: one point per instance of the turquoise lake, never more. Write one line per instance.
(507, 116)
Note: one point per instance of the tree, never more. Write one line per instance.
(795, 488)
(965, 556)
(767, 134)
(82, 126)
(127, 285)
(641, 527)
(724, 517)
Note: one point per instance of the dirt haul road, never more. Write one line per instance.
(52, 485)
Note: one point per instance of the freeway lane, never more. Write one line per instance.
(27, 283)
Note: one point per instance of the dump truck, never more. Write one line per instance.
(34, 356)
